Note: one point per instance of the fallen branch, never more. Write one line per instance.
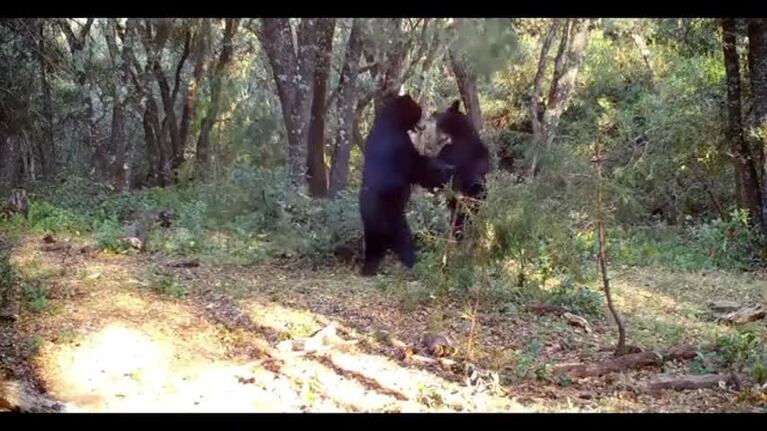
(693, 382)
(618, 363)
(56, 247)
(745, 315)
(185, 263)
(541, 309)
(683, 352)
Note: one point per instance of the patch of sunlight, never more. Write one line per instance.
(317, 381)
(413, 383)
(698, 288)
(111, 363)
(124, 369)
(297, 323)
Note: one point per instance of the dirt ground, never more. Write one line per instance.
(133, 333)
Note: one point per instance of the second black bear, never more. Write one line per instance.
(469, 156)
(391, 166)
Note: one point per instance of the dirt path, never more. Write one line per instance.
(133, 333)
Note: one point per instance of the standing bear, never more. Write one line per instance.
(391, 166)
(456, 142)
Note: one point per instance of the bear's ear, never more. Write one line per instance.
(455, 107)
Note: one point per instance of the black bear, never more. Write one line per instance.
(461, 147)
(391, 166)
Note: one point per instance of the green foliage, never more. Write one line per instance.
(743, 349)
(731, 243)
(168, 285)
(578, 299)
(35, 295)
(7, 274)
(486, 44)
(725, 244)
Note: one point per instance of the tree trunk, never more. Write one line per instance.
(560, 93)
(467, 86)
(536, 113)
(117, 139)
(169, 95)
(346, 104)
(316, 175)
(572, 49)
(48, 152)
(76, 43)
(158, 157)
(757, 52)
(201, 41)
(750, 195)
(203, 143)
(389, 72)
(293, 70)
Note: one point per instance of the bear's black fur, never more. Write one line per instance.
(391, 166)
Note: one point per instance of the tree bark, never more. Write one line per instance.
(48, 152)
(76, 43)
(339, 170)
(757, 52)
(293, 70)
(201, 41)
(316, 175)
(565, 82)
(536, 113)
(202, 164)
(749, 196)
(467, 86)
(572, 49)
(389, 72)
(120, 61)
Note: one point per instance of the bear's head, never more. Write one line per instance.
(441, 129)
(402, 110)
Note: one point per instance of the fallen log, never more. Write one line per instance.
(693, 382)
(745, 315)
(683, 352)
(618, 363)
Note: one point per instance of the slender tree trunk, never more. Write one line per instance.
(391, 67)
(48, 150)
(536, 113)
(339, 171)
(168, 95)
(572, 49)
(317, 176)
(639, 41)
(203, 142)
(750, 194)
(201, 42)
(602, 257)
(467, 86)
(117, 139)
(757, 52)
(293, 70)
(77, 44)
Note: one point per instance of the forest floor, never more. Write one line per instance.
(103, 332)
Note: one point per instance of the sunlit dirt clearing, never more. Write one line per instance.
(106, 341)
